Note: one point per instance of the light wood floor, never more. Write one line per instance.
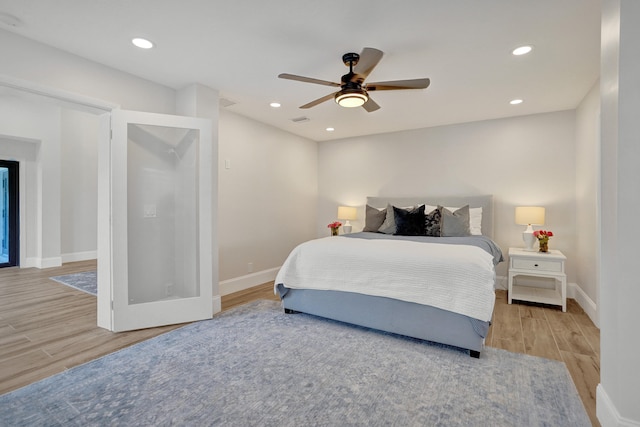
(47, 327)
(546, 331)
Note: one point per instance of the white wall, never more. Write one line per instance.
(527, 160)
(587, 200)
(617, 395)
(78, 185)
(267, 198)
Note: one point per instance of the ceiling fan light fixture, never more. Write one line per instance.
(351, 98)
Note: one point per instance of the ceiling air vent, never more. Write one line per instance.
(224, 102)
(300, 119)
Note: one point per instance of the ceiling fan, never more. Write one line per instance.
(353, 91)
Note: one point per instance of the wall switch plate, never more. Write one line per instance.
(150, 211)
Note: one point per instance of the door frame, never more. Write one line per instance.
(31, 191)
(13, 213)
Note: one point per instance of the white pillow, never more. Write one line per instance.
(475, 218)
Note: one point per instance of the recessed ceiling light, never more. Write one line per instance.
(142, 43)
(515, 101)
(330, 129)
(275, 104)
(522, 50)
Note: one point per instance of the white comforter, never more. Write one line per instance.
(457, 278)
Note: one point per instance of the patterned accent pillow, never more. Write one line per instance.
(432, 223)
(409, 223)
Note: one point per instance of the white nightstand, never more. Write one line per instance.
(538, 264)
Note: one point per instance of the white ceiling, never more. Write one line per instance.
(240, 46)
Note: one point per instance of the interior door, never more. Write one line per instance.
(9, 213)
(159, 265)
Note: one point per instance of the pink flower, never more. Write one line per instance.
(334, 224)
(543, 234)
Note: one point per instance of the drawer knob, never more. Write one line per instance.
(535, 265)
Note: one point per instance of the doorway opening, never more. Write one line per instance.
(9, 214)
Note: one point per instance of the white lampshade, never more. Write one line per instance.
(529, 215)
(347, 213)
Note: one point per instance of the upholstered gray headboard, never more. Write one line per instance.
(484, 202)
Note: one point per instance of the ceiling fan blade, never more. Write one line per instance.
(399, 84)
(369, 58)
(371, 105)
(319, 101)
(308, 80)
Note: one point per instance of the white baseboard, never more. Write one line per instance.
(79, 256)
(574, 291)
(42, 262)
(245, 282)
(608, 414)
(29, 263)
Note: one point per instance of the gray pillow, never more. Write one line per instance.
(373, 219)
(389, 224)
(454, 224)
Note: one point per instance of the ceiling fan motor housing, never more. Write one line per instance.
(350, 59)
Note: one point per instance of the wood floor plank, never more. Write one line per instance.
(23, 363)
(509, 345)
(592, 335)
(538, 339)
(507, 324)
(585, 372)
(568, 334)
(532, 311)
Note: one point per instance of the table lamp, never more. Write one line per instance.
(529, 215)
(346, 213)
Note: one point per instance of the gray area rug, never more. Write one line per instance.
(85, 282)
(256, 366)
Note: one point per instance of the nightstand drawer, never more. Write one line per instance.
(531, 264)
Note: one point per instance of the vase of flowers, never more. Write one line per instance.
(335, 227)
(543, 239)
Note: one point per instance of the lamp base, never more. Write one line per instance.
(529, 240)
(346, 228)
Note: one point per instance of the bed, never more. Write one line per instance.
(439, 289)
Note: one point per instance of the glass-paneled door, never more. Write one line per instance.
(160, 231)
